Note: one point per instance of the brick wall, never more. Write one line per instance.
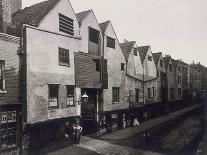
(8, 52)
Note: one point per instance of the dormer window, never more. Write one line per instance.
(2, 80)
(66, 24)
(110, 42)
(135, 51)
(149, 58)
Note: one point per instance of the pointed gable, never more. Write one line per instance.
(127, 48)
(143, 52)
(166, 61)
(103, 26)
(82, 15)
(156, 57)
(175, 64)
(34, 14)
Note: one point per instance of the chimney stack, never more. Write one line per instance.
(7, 8)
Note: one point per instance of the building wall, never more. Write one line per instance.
(89, 21)
(116, 77)
(185, 76)
(51, 21)
(149, 66)
(150, 77)
(159, 82)
(134, 65)
(8, 52)
(177, 85)
(170, 81)
(43, 69)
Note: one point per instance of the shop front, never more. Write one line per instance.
(10, 129)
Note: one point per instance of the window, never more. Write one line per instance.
(148, 93)
(53, 96)
(70, 95)
(161, 63)
(64, 57)
(153, 92)
(179, 79)
(110, 42)
(66, 24)
(137, 94)
(97, 65)
(158, 74)
(171, 93)
(131, 96)
(170, 67)
(115, 94)
(179, 92)
(93, 35)
(135, 51)
(2, 81)
(122, 66)
(149, 58)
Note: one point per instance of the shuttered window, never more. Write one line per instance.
(66, 24)
(63, 56)
(135, 51)
(122, 66)
(110, 42)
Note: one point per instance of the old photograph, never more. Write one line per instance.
(103, 77)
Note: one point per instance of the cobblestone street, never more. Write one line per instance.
(127, 141)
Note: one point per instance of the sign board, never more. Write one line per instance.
(7, 117)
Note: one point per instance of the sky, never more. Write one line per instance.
(174, 27)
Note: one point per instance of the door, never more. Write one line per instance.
(88, 111)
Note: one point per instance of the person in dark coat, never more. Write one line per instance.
(72, 135)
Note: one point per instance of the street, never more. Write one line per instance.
(168, 139)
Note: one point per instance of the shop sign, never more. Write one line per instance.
(9, 116)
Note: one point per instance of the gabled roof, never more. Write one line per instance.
(143, 52)
(34, 14)
(103, 26)
(156, 57)
(166, 61)
(82, 15)
(175, 63)
(127, 48)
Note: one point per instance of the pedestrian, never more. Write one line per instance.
(78, 130)
(73, 128)
(136, 122)
(67, 130)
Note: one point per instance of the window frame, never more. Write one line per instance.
(90, 36)
(50, 98)
(111, 42)
(137, 95)
(115, 95)
(122, 66)
(148, 93)
(66, 24)
(60, 56)
(69, 97)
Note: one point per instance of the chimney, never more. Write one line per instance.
(7, 8)
(126, 41)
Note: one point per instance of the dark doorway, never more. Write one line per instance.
(89, 111)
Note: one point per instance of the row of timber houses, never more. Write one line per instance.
(57, 65)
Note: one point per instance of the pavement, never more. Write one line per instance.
(94, 144)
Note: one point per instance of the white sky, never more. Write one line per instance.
(175, 27)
